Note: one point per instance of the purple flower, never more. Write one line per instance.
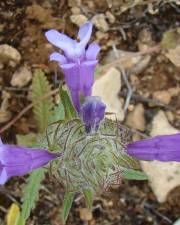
(163, 148)
(92, 113)
(17, 161)
(77, 63)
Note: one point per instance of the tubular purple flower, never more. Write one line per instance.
(77, 63)
(79, 78)
(92, 113)
(18, 161)
(162, 148)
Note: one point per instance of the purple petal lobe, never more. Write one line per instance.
(3, 175)
(17, 161)
(55, 56)
(85, 32)
(92, 113)
(77, 52)
(59, 40)
(68, 66)
(92, 51)
(84, 35)
(163, 148)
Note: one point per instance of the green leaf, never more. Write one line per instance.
(69, 109)
(20, 221)
(131, 174)
(67, 203)
(28, 140)
(43, 109)
(31, 194)
(58, 113)
(88, 194)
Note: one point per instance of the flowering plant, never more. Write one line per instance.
(87, 152)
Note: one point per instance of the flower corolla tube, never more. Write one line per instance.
(18, 161)
(162, 148)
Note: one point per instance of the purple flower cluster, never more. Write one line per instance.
(78, 64)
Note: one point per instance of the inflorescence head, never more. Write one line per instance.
(92, 160)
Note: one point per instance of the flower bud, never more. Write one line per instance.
(92, 113)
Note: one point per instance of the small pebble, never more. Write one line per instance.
(9, 54)
(21, 77)
(85, 214)
(110, 17)
(79, 19)
(163, 96)
(74, 3)
(100, 22)
(101, 35)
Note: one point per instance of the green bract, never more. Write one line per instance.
(95, 160)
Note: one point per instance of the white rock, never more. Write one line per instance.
(177, 222)
(170, 116)
(100, 22)
(174, 55)
(108, 87)
(161, 126)
(129, 60)
(135, 119)
(21, 77)
(163, 176)
(79, 19)
(9, 54)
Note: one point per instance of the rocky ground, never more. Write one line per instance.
(138, 79)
